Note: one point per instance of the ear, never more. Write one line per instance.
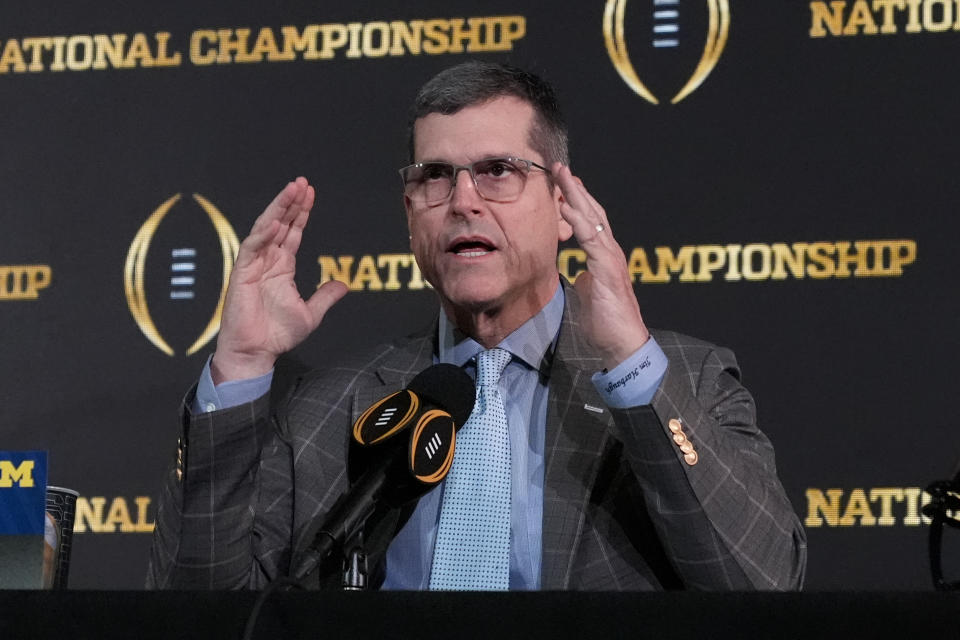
(564, 230)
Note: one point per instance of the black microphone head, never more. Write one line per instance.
(449, 387)
(385, 418)
(432, 444)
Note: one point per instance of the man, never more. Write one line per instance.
(634, 459)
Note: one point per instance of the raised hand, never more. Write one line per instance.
(264, 315)
(611, 317)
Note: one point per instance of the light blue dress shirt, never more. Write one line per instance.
(524, 389)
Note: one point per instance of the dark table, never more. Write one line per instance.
(218, 614)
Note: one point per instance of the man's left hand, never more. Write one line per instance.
(611, 317)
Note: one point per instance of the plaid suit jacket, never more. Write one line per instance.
(622, 508)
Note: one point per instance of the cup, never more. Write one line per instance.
(62, 508)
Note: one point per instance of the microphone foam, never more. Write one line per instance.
(447, 386)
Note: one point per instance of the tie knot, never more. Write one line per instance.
(490, 364)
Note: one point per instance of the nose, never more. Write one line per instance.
(465, 196)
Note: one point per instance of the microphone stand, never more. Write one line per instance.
(355, 576)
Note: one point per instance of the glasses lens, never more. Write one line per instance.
(428, 182)
(500, 179)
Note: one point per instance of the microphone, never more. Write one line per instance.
(400, 448)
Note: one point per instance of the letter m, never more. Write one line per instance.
(22, 474)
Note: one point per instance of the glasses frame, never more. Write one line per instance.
(457, 168)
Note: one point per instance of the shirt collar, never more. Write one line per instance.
(531, 342)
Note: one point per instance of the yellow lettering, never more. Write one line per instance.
(334, 36)
(931, 22)
(416, 278)
(682, 261)
(89, 515)
(511, 28)
(139, 52)
(888, 6)
(822, 265)
(393, 262)
(791, 257)
(691, 263)
(566, 258)
(860, 16)
(143, 525)
(912, 498)
(844, 259)
(638, 265)
(163, 59)
(22, 474)
(12, 55)
(35, 46)
(118, 515)
(367, 276)
(109, 48)
(59, 44)
(295, 41)
(406, 37)
(353, 51)
(858, 507)
(23, 282)
(828, 506)
(733, 263)
(913, 20)
(751, 271)
(458, 35)
(886, 496)
(338, 269)
(265, 46)
(821, 16)
(233, 45)
(202, 52)
(435, 36)
(712, 257)
(376, 39)
(76, 62)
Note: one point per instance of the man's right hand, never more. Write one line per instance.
(263, 313)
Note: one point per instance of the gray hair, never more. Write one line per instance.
(476, 82)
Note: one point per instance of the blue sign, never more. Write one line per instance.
(23, 501)
(23, 492)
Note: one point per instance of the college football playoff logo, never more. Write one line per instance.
(672, 47)
(189, 269)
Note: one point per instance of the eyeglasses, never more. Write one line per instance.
(496, 179)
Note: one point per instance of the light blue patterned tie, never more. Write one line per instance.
(472, 552)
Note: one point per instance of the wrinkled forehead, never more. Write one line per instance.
(498, 127)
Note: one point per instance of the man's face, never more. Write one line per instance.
(484, 256)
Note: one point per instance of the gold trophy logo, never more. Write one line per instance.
(134, 271)
(665, 28)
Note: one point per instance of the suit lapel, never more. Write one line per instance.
(395, 371)
(577, 427)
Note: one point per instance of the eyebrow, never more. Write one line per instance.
(486, 156)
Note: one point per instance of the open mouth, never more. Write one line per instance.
(471, 248)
